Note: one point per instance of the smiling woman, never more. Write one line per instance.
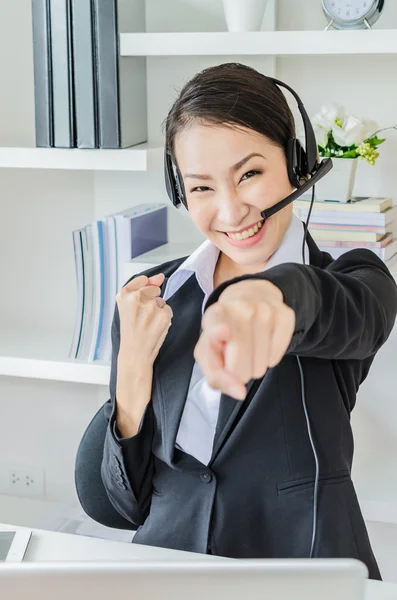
(241, 159)
(228, 426)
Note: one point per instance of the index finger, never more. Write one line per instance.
(210, 354)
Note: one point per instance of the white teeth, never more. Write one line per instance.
(247, 233)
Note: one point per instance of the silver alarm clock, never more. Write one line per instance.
(352, 14)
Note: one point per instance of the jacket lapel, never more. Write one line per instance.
(174, 363)
(316, 257)
(229, 409)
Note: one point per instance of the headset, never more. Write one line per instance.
(304, 171)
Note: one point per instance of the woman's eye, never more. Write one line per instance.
(200, 188)
(250, 174)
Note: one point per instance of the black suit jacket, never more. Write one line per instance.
(255, 498)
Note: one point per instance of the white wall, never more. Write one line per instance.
(42, 422)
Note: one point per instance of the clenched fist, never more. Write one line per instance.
(145, 318)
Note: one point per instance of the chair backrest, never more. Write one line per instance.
(90, 489)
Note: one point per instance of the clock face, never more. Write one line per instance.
(348, 10)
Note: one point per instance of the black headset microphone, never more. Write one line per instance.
(304, 171)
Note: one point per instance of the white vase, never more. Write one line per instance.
(338, 183)
(244, 15)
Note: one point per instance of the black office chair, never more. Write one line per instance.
(90, 489)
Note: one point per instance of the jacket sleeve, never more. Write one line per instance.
(127, 465)
(345, 311)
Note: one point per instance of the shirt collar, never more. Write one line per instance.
(203, 260)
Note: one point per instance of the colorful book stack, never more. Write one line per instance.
(363, 222)
(101, 251)
(86, 94)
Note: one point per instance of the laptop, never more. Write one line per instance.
(243, 579)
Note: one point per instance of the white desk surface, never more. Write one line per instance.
(54, 546)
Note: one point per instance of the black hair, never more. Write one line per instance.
(234, 95)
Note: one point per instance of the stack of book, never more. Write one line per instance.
(86, 95)
(363, 222)
(101, 251)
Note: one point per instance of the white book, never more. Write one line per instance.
(78, 258)
(385, 253)
(109, 225)
(89, 294)
(345, 218)
(98, 265)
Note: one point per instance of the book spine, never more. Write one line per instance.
(82, 351)
(343, 236)
(346, 218)
(386, 240)
(347, 228)
(78, 257)
(365, 204)
(62, 73)
(106, 44)
(84, 68)
(41, 29)
(99, 283)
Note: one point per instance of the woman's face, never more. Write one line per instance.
(231, 175)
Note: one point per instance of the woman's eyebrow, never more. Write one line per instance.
(235, 167)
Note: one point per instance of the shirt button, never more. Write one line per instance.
(206, 477)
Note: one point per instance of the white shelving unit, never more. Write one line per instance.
(143, 157)
(270, 43)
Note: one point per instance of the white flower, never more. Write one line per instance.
(324, 120)
(321, 134)
(327, 115)
(353, 131)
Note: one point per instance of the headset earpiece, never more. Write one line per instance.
(173, 182)
(296, 163)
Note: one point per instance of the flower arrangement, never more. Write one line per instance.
(342, 136)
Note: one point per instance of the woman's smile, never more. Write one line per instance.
(248, 237)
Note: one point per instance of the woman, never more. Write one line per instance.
(206, 443)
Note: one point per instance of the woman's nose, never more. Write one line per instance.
(231, 210)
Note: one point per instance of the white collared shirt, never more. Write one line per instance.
(200, 415)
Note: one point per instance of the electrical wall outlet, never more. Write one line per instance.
(23, 481)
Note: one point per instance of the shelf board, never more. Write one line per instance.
(44, 355)
(142, 157)
(273, 43)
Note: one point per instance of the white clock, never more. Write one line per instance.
(352, 14)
